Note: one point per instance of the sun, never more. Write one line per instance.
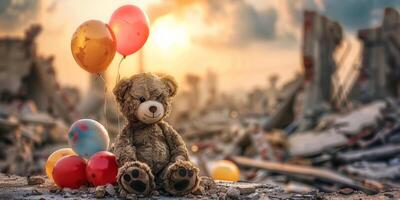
(168, 34)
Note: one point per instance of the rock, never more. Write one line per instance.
(35, 180)
(254, 196)
(100, 192)
(156, 193)
(131, 197)
(346, 191)
(244, 190)
(373, 184)
(233, 193)
(110, 190)
(35, 192)
(92, 190)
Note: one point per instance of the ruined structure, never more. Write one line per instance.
(26, 75)
(380, 68)
(321, 37)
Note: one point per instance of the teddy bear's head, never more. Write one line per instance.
(145, 97)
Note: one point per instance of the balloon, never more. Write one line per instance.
(131, 28)
(93, 46)
(54, 157)
(225, 170)
(102, 168)
(87, 137)
(70, 172)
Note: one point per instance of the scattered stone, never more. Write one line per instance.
(100, 192)
(244, 190)
(131, 197)
(388, 195)
(233, 193)
(254, 196)
(54, 189)
(122, 194)
(110, 190)
(92, 190)
(35, 180)
(346, 191)
(35, 192)
(156, 193)
(372, 184)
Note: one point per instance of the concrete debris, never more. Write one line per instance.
(100, 192)
(35, 180)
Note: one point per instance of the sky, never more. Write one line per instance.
(243, 41)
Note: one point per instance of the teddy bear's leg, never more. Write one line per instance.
(181, 178)
(136, 177)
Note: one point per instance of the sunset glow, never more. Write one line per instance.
(167, 34)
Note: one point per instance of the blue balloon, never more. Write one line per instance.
(87, 137)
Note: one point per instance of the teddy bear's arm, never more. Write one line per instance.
(123, 147)
(175, 142)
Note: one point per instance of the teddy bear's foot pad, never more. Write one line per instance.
(183, 178)
(137, 180)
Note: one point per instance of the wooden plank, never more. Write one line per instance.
(290, 169)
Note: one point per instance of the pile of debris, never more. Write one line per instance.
(34, 109)
(15, 187)
(321, 135)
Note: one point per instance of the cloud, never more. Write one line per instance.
(17, 13)
(222, 22)
(356, 14)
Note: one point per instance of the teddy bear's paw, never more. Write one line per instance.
(136, 178)
(181, 178)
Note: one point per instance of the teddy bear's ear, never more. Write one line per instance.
(171, 84)
(121, 88)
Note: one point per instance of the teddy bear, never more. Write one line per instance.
(151, 155)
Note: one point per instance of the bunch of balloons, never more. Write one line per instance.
(94, 43)
(68, 167)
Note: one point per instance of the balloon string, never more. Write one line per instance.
(118, 72)
(105, 100)
(116, 82)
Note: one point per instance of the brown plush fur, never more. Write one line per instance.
(151, 153)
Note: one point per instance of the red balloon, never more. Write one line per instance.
(102, 168)
(131, 28)
(69, 172)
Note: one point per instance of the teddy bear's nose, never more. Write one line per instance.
(153, 109)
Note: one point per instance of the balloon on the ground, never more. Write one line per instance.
(131, 28)
(70, 172)
(93, 46)
(54, 157)
(102, 168)
(225, 170)
(87, 137)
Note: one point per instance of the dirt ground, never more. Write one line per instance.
(16, 187)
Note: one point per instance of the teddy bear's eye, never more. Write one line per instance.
(142, 99)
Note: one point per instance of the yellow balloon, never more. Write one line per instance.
(225, 170)
(93, 46)
(54, 157)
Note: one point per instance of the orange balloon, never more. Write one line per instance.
(93, 46)
(54, 157)
(225, 170)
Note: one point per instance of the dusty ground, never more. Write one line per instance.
(16, 187)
